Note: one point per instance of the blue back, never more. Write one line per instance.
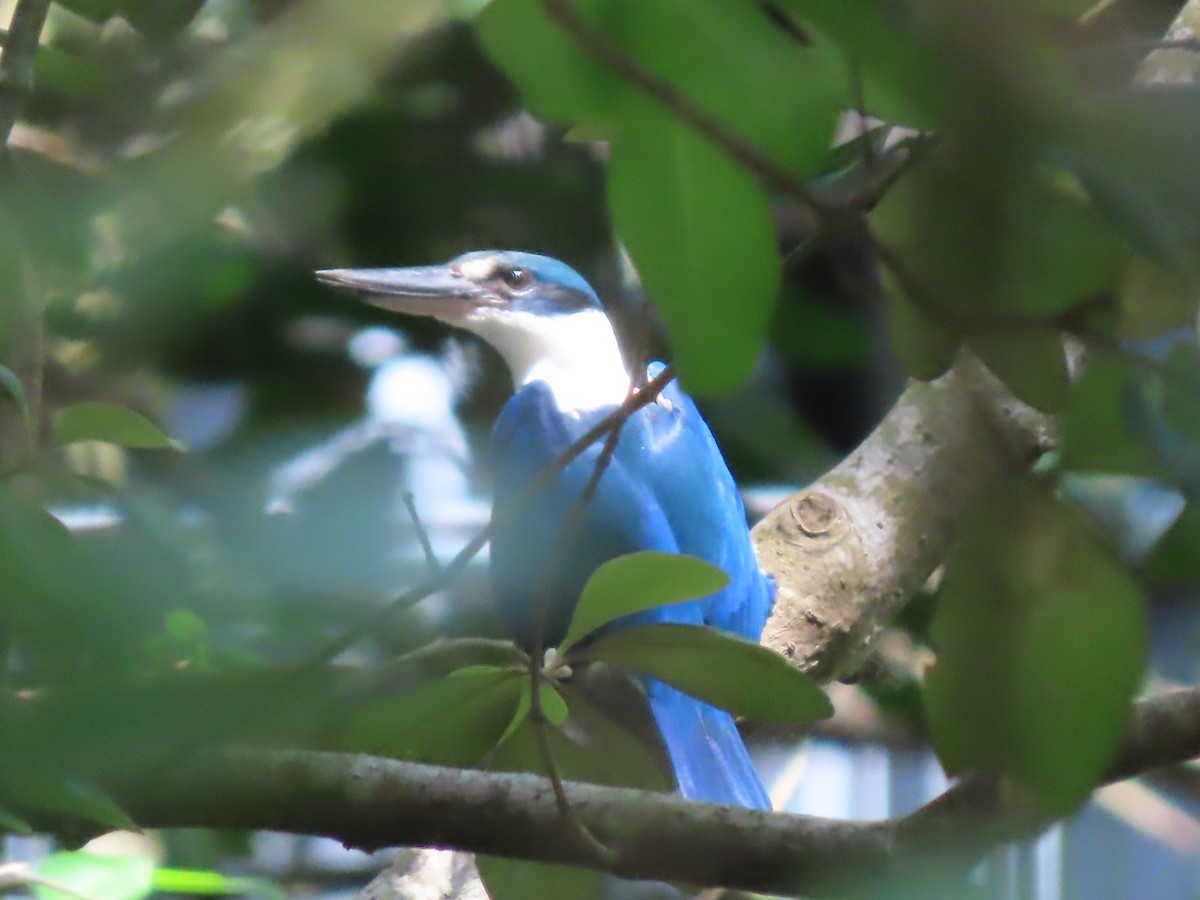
(666, 488)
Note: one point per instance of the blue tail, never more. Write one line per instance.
(708, 755)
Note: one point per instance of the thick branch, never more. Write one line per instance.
(848, 550)
(21, 322)
(369, 802)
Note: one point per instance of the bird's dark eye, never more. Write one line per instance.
(517, 277)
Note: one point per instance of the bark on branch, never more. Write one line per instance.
(370, 802)
(847, 551)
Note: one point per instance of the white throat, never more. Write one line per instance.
(576, 354)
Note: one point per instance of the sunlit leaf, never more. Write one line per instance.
(453, 721)
(100, 421)
(94, 876)
(639, 581)
(699, 231)
(517, 879)
(1040, 640)
(207, 883)
(742, 677)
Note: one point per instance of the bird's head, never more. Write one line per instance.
(538, 312)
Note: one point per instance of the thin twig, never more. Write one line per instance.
(410, 503)
(455, 567)
(600, 48)
(537, 718)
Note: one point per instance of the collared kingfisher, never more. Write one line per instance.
(665, 488)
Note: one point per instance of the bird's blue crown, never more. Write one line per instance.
(531, 283)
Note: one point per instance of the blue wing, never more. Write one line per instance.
(666, 488)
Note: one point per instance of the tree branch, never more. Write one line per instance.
(16, 61)
(850, 549)
(370, 802)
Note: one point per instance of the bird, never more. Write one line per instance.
(665, 487)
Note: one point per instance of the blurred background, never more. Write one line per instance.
(177, 172)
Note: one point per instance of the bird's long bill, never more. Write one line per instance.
(436, 291)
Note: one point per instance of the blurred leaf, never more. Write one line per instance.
(94, 876)
(639, 581)
(699, 231)
(1155, 301)
(159, 19)
(925, 346)
(1006, 241)
(95, 10)
(557, 80)
(1176, 559)
(1040, 638)
(11, 385)
(1096, 429)
(1181, 390)
(99, 421)
(13, 823)
(196, 881)
(739, 676)
(1031, 362)
(58, 792)
(453, 722)
(517, 879)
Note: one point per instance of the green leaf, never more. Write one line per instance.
(1031, 362)
(554, 707)
(699, 231)
(11, 385)
(453, 721)
(99, 421)
(730, 672)
(94, 876)
(516, 879)
(1096, 429)
(640, 581)
(1040, 639)
(556, 79)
